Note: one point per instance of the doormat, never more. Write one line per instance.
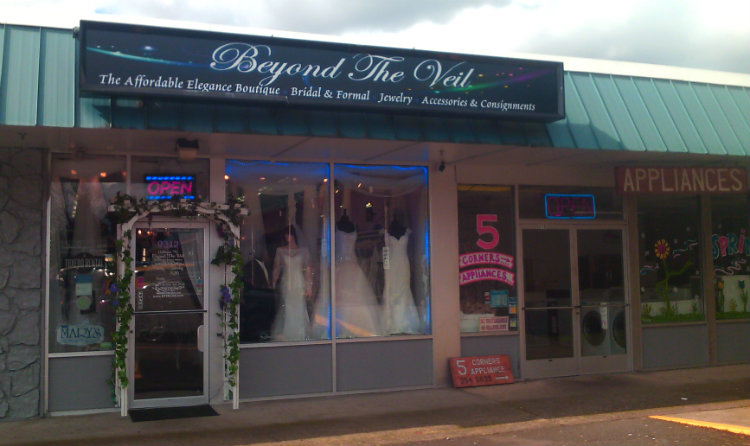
(169, 413)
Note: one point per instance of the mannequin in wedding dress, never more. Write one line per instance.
(357, 309)
(292, 265)
(400, 311)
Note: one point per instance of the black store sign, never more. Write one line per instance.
(140, 60)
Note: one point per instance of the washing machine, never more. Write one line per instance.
(594, 336)
(617, 332)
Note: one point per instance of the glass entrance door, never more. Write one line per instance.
(168, 366)
(548, 303)
(602, 303)
(574, 302)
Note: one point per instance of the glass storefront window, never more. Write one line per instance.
(486, 242)
(381, 260)
(382, 255)
(82, 239)
(164, 177)
(730, 251)
(670, 276)
(531, 201)
(285, 247)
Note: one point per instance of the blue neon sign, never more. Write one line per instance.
(570, 206)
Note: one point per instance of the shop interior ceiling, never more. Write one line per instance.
(78, 141)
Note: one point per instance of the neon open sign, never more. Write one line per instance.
(166, 187)
(570, 206)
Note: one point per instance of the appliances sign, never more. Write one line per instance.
(681, 180)
(141, 60)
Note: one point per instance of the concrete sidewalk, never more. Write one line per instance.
(735, 420)
(720, 395)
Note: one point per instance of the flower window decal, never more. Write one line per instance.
(661, 249)
(670, 268)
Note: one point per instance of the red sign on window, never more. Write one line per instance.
(481, 371)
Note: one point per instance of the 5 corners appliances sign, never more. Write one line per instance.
(140, 60)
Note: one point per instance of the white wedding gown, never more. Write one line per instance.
(401, 313)
(291, 320)
(357, 308)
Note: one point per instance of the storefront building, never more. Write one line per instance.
(393, 209)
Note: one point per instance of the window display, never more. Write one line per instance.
(285, 247)
(730, 243)
(486, 247)
(82, 240)
(670, 276)
(382, 256)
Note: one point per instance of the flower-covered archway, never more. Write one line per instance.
(127, 211)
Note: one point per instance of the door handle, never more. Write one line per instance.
(199, 333)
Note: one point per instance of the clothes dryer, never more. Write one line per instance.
(594, 336)
(617, 330)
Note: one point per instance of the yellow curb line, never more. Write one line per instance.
(720, 426)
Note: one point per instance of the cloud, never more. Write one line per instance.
(312, 16)
(665, 32)
(673, 32)
(338, 16)
(690, 33)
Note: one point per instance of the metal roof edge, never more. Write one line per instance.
(637, 69)
(39, 24)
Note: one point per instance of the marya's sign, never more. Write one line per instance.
(80, 334)
(166, 187)
(671, 180)
(141, 60)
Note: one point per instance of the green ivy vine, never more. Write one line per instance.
(229, 255)
(120, 288)
(124, 208)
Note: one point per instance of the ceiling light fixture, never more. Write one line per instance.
(187, 150)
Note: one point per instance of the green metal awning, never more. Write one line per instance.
(603, 112)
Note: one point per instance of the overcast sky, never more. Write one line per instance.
(706, 34)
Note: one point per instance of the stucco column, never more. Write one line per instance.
(444, 271)
(631, 216)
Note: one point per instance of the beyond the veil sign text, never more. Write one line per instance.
(120, 59)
